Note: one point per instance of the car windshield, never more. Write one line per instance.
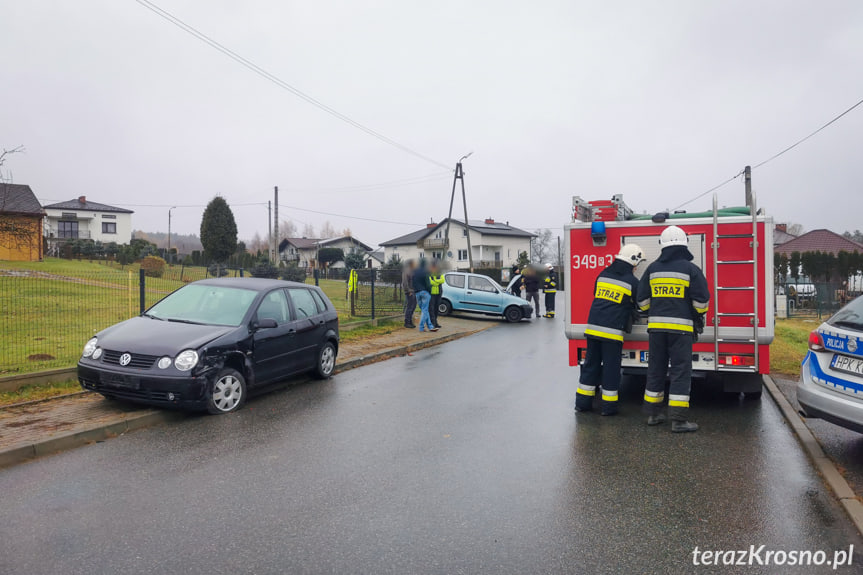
(205, 304)
(850, 316)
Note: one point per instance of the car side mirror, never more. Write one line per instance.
(265, 323)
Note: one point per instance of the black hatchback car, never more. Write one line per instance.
(207, 344)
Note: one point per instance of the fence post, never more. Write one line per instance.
(142, 289)
(131, 309)
(317, 276)
(241, 273)
(372, 273)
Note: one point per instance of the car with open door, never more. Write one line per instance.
(476, 293)
(210, 343)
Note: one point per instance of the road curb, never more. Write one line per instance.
(822, 463)
(101, 432)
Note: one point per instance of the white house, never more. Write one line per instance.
(304, 251)
(493, 244)
(83, 219)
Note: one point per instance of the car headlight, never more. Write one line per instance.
(165, 363)
(90, 347)
(186, 360)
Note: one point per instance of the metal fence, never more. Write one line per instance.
(813, 299)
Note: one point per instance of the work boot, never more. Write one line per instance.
(609, 409)
(583, 405)
(656, 419)
(683, 426)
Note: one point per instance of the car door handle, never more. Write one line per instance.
(469, 292)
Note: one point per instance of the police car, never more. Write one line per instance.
(831, 378)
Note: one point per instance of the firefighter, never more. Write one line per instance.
(611, 314)
(674, 291)
(549, 288)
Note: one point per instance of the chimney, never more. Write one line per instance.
(489, 221)
(430, 225)
(82, 199)
(782, 227)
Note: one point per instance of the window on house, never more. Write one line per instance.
(67, 229)
(464, 232)
(109, 227)
(109, 217)
(462, 255)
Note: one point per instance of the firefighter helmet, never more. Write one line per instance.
(549, 266)
(672, 236)
(631, 254)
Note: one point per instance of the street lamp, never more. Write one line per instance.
(169, 232)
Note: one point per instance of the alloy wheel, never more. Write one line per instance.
(227, 393)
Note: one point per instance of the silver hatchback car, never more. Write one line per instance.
(831, 378)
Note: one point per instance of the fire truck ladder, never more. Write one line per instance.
(718, 289)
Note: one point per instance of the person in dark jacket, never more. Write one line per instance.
(516, 286)
(422, 289)
(610, 315)
(674, 291)
(531, 287)
(410, 296)
(549, 288)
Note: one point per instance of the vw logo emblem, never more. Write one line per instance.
(852, 345)
(125, 359)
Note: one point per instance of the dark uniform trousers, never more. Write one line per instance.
(676, 348)
(601, 366)
(549, 304)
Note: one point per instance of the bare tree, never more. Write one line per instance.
(287, 229)
(257, 244)
(327, 230)
(541, 248)
(308, 231)
(347, 232)
(794, 229)
(3, 155)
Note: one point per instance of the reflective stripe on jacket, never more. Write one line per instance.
(613, 302)
(549, 284)
(674, 290)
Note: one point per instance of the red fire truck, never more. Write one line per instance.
(734, 248)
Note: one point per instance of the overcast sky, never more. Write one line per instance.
(658, 101)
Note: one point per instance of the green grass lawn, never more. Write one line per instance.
(46, 321)
(34, 392)
(790, 345)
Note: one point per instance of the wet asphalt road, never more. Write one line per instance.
(465, 458)
(843, 446)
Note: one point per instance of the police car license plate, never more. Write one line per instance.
(644, 356)
(847, 364)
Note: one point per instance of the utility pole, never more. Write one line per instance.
(747, 182)
(168, 253)
(270, 229)
(276, 227)
(459, 175)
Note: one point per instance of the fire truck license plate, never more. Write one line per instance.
(847, 364)
(644, 356)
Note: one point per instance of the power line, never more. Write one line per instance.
(281, 83)
(798, 142)
(771, 158)
(379, 186)
(713, 189)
